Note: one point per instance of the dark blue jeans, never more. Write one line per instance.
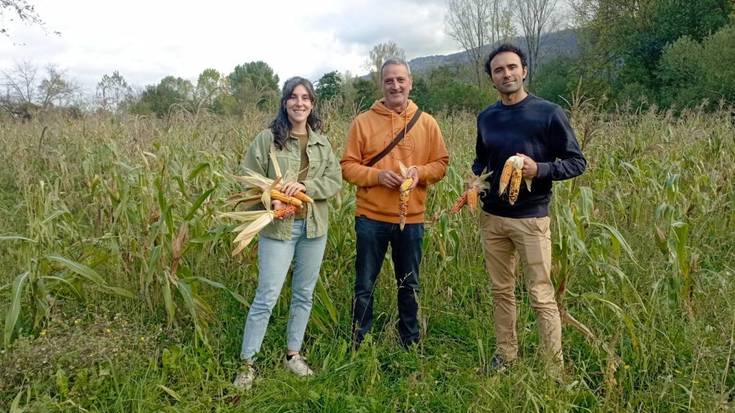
(373, 238)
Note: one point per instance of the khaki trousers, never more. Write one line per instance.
(504, 239)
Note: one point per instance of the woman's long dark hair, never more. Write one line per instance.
(281, 126)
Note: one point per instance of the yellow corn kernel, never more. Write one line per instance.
(515, 186)
(505, 175)
(276, 194)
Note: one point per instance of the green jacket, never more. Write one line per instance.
(323, 179)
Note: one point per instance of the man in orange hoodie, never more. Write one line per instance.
(392, 132)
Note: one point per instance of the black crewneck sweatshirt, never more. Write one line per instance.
(534, 127)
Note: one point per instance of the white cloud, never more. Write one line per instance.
(147, 40)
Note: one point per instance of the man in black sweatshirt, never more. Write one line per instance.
(538, 131)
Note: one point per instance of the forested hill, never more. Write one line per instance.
(554, 44)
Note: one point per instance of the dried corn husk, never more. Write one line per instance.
(254, 222)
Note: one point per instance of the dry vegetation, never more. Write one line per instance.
(117, 311)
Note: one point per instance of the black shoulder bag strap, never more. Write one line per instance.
(396, 140)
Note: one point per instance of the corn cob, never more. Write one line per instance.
(515, 186)
(461, 201)
(474, 184)
(511, 178)
(472, 193)
(253, 180)
(285, 212)
(276, 194)
(406, 184)
(405, 191)
(301, 196)
(403, 198)
(505, 175)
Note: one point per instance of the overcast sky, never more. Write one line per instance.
(147, 40)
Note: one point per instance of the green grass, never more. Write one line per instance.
(643, 242)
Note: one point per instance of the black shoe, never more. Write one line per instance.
(409, 343)
(499, 365)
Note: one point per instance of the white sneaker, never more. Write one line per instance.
(245, 377)
(297, 365)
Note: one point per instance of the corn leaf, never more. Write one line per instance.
(198, 202)
(65, 282)
(12, 316)
(188, 297)
(53, 216)
(79, 269)
(170, 392)
(16, 238)
(168, 300)
(197, 170)
(15, 406)
(619, 237)
(117, 291)
(221, 286)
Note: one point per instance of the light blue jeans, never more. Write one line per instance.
(274, 260)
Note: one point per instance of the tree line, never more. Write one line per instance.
(630, 53)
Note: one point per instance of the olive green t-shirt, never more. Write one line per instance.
(303, 140)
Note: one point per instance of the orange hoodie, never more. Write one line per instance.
(423, 147)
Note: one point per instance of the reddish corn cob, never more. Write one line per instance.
(472, 194)
(285, 212)
(459, 203)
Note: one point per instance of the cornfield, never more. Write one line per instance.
(118, 291)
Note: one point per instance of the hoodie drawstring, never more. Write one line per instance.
(405, 124)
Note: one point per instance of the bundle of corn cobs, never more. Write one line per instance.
(475, 185)
(260, 189)
(511, 177)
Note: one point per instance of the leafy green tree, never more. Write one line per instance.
(329, 87)
(209, 87)
(254, 84)
(160, 98)
(444, 88)
(623, 40)
(693, 72)
(555, 80)
(365, 93)
(113, 91)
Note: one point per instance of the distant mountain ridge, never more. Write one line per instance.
(554, 44)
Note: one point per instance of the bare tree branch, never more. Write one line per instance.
(20, 83)
(474, 24)
(55, 88)
(534, 17)
(379, 54)
(19, 10)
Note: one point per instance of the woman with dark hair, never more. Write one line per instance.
(308, 164)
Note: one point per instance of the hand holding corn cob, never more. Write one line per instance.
(510, 178)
